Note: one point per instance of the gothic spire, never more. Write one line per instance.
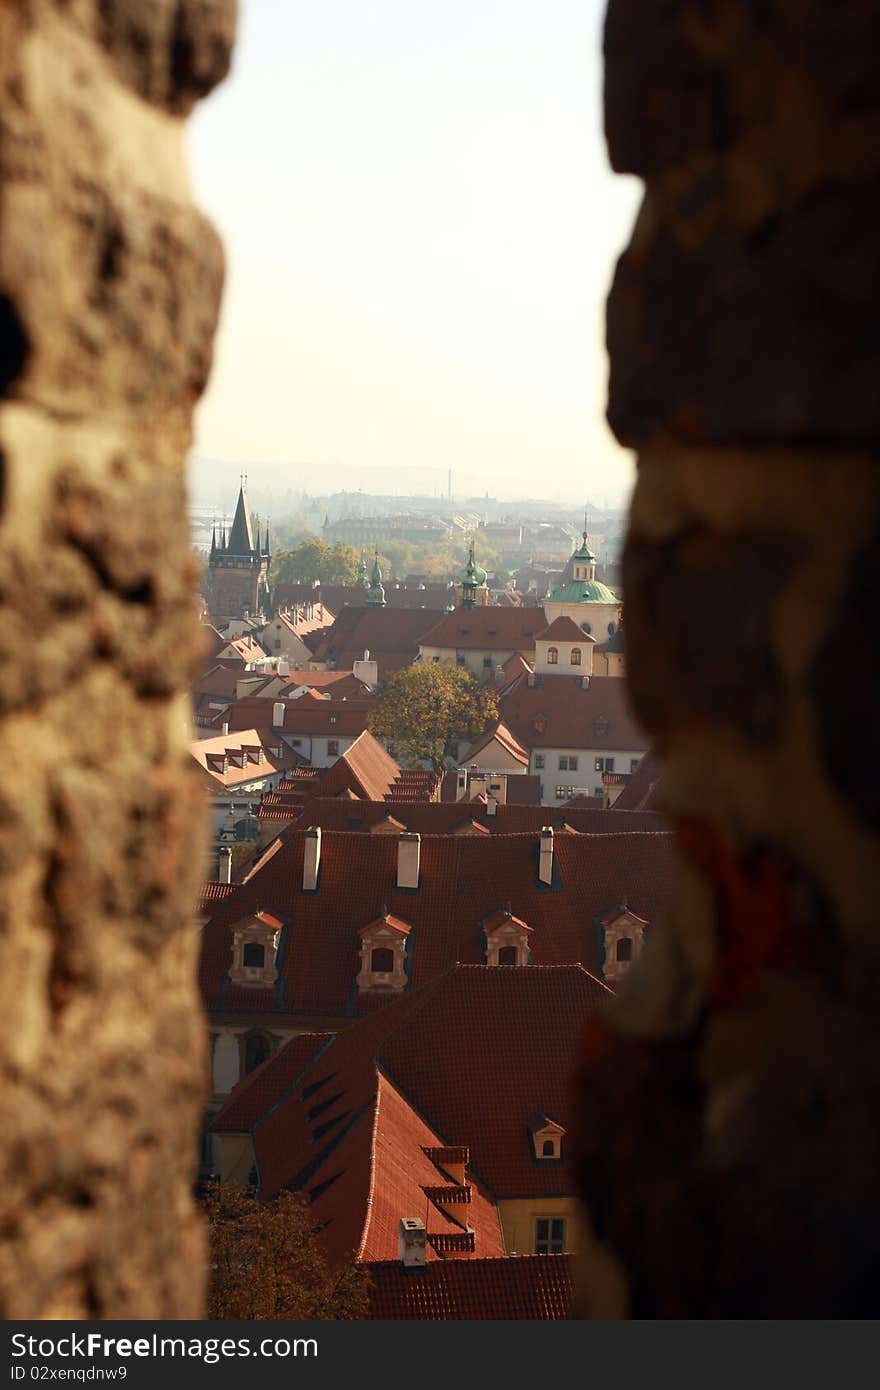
(241, 537)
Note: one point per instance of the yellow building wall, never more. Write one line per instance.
(519, 1214)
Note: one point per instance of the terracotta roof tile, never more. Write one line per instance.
(487, 629)
(463, 880)
(527, 1287)
(501, 735)
(564, 629)
(509, 1040)
(559, 713)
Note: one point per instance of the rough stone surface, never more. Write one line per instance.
(730, 1101)
(109, 291)
(743, 310)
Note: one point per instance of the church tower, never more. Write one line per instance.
(238, 568)
(472, 583)
(376, 593)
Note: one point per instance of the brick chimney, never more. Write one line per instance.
(408, 855)
(413, 1242)
(545, 864)
(311, 859)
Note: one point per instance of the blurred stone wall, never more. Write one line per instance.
(730, 1108)
(109, 289)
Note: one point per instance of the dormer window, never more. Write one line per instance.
(507, 939)
(623, 936)
(254, 950)
(547, 1136)
(383, 955)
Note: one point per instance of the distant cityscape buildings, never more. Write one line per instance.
(353, 898)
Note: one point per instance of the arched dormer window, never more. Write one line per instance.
(575, 656)
(383, 955)
(587, 628)
(507, 939)
(552, 656)
(254, 950)
(623, 937)
(547, 1136)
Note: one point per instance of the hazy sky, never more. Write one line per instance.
(420, 228)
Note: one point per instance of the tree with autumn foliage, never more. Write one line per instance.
(265, 1261)
(423, 710)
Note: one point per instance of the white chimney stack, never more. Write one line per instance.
(224, 859)
(278, 716)
(408, 855)
(491, 805)
(545, 866)
(413, 1242)
(311, 859)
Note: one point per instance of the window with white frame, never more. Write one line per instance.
(550, 1235)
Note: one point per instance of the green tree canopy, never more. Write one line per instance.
(424, 709)
(314, 559)
(265, 1261)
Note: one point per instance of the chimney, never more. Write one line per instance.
(461, 784)
(311, 859)
(225, 726)
(491, 805)
(413, 1242)
(278, 716)
(224, 860)
(545, 866)
(408, 854)
(532, 680)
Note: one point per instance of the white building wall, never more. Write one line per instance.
(586, 780)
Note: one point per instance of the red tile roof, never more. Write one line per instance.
(527, 1287)
(564, 629)
(391, 635)
(445, 817)
(349, 1139)
(487, 629)
(243, 757)
(463, 880)
(505, 740)
(642, 792)
(302, 716)
(559, 713)
(365, 768)
(475, 1053)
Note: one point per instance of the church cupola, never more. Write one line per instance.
(584, 562)
(473, 580)
(375, 592)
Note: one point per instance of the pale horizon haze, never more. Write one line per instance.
(420, 227)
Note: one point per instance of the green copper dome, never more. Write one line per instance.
(583, 591)
(473, 576)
